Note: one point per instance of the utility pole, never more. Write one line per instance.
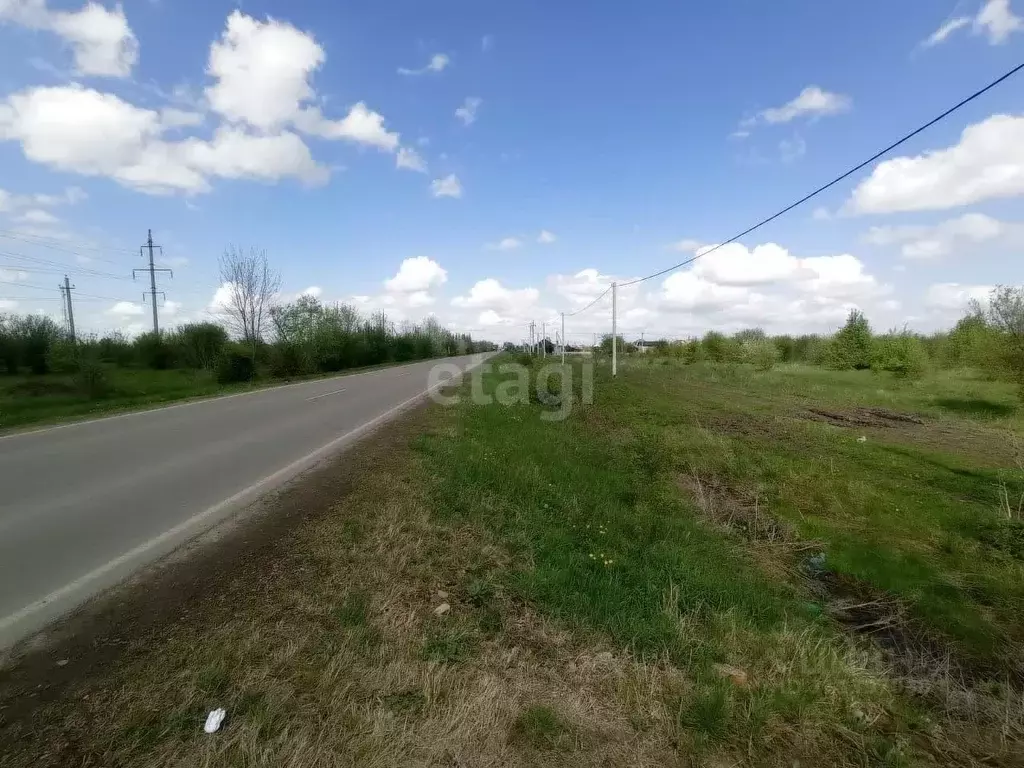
(543, 339)
(615, 331)
(533, 343)
(69, 312)
(563, 338)
(152, 278)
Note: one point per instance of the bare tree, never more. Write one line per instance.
(252, 286)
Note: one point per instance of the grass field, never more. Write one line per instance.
(706, 566)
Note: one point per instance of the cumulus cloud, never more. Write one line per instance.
(930, 242)
(449, 186)
(491, 294)
(467, 112)
(417, 274)
(72, 128)
(545, 237)
(101, 41)
(260, 90)
(987, 163)
(997, 21)
(438, 63)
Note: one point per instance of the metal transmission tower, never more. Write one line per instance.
(152, 278)
(66, 306)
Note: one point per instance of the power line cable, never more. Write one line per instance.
(838, 179)
(578, 311)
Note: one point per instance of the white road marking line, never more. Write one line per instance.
(325, 394)
(267, 483)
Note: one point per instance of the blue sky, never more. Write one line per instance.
(629, 138)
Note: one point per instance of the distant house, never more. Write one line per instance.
(643, 347)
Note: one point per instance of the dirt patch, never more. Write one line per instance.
(863, 417)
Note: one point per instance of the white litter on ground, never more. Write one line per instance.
(213, 720)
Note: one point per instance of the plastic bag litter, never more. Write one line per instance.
(214, 719)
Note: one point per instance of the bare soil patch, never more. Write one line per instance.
(863, 417)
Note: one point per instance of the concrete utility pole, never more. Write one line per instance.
(533, 343)
(543, 339)
(152, 278)
(563, 338)
(615, 330)
(69, 310)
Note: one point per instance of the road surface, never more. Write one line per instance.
(84, 505)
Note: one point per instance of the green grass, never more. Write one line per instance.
(542, 728)
(606, 536)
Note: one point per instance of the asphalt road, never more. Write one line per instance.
(84, 505)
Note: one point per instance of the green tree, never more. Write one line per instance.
(851, 346)
(1006, 315)
(900, 353)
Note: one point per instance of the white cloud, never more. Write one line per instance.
(362, 125)
(8, 305)
(262, 71)
(101, 41)
(812, 102)
(942, 33)
(734, 264)
(411, 160)
(172, 117)
(467, 112)
(821, 214)
(955, 296)
(491, 294)
(415, 275)
(235, 154)
(987, 163)
(507, 244)
(687, 291)
(449, 186)
(12, 275)
(996, 20)
(313, 292)
(486, 43)
(546, 238)
(71, 128)
(438, 63)
(125, 309)
(929, 242)
(37, 216)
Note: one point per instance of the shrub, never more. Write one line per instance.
(91, 380)
(287, 360)
(851, 347)
(763, 354)
(153, 351)
(901, 354)
(116, 349)
(63, 357)
(235, 365)
(201, 344)
(35, 335)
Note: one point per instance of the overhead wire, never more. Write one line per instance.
(860, 166)
(959, 105)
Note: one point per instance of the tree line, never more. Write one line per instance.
(259, 338)
(988, 338)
